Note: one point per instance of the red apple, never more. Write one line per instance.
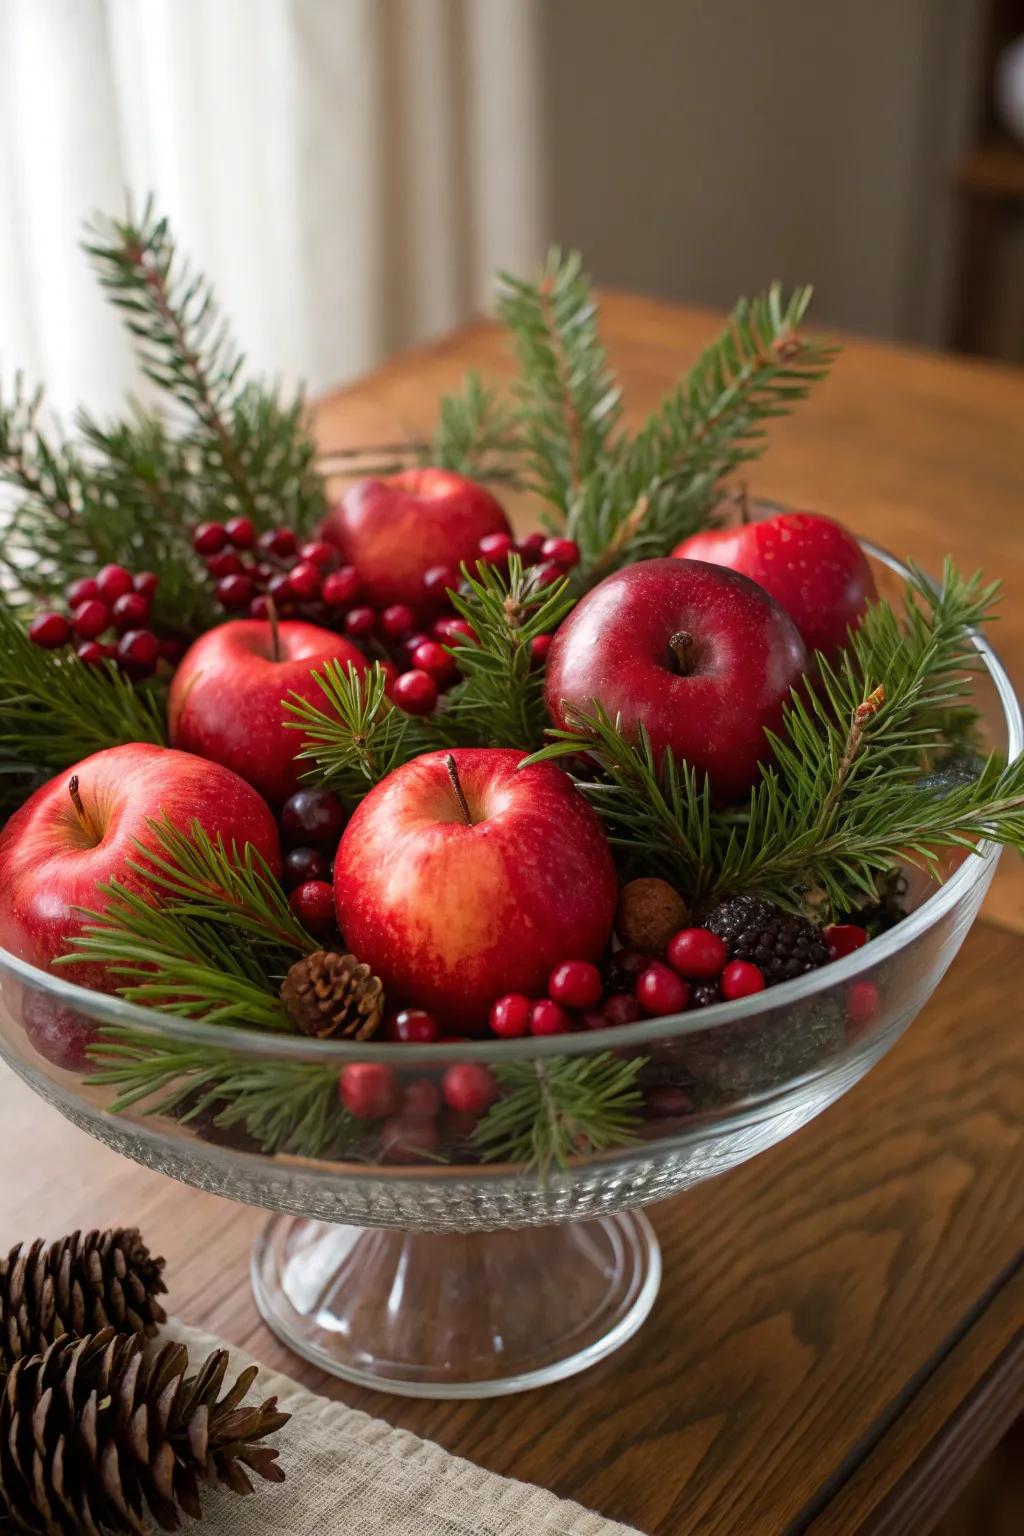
(394, 530)
(227, 697)
(809, 564)
(66, 840)
(460, 879)
(700, 656)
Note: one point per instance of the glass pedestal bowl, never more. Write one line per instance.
(456, 1278)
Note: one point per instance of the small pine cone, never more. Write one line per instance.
(330, 994)
(781, 944)
(649, 912)
(94, 1436)
(77, 1285)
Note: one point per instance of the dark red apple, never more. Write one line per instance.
(461, 878)
(70, 837)
(700, 656)
(227, 697)
(396, 529)
(809, 564)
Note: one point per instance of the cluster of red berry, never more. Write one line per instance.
(415, 1118)
(312, 821)
(112, 603)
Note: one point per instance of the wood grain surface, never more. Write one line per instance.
(835, 1333)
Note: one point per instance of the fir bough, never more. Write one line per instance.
(551, 1110)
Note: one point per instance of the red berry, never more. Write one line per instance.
(659, 991)
(278, 587)
(259, 608)
(92, 653)
(421, 1097)
(409, 1138)
(304, 864)
(539, 647)
(137, 653)
(278, 541)
(241, 532)
(390, 677)
(431, 657)
(90, 619)
(172, 650)
(81, 591)
(862, 1002)
(410, 643)
(593, 1018)
(531, 548)
(360, 621)
(741, 979)
(469, 1088)
(234, 592)
(49, 630)
(146, 582)
(305, 581)
(130, 611)
(439, 581)
(324, 556)
(368, 1090)
(452, 630)
(510, 1016)
(226, 563)
(412, 1026)
(113, 582)
(313, 818)
(697, 953)
(548, 1018)
(341, 587)
(575, 984)
(623, 1008)
(564, 552)
(547, 574)
(313, 905)
(496, 546)
(209, 538)
(397, 621)
(667, 1102)
(415, 692)
(843, 938)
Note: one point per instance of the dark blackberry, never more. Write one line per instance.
(704, 994)
(779, 943)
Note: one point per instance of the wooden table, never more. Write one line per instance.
(838, 1339)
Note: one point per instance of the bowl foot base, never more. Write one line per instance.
(456, 1315)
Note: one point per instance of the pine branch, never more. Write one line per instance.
(476, 434)
(553, 1110)
(359, 737)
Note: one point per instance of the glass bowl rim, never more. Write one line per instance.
(104, 1008)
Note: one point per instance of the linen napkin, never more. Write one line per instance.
(351, 1475)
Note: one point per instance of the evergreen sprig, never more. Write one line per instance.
(552, 1110)
(359, 737)
(476, 434)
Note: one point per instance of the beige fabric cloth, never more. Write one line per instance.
(350, 1475)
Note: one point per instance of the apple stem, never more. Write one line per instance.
(681, 646)
(76, 801)
(275, 634)
(453, 774)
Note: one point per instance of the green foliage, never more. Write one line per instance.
(359, 737)
(552, 1110)
(476, 434)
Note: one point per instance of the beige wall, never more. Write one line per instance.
(698, 148)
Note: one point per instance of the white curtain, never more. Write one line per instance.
(349, 172)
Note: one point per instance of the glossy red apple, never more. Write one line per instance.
(394, 530)
(809, 564)
(227, 697)
(460, 879)
(700, 656)
(68, 838)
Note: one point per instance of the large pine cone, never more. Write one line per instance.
(77, 1285)
(780, 943)
(94, 1438)
(330, 994)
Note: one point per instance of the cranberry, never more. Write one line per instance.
(368, 1090)
(278, 541)
(146, 583)
(409, 1138)
(531, 548)
(510, 1016)
(415, 692)
(137, 653)
(397, 621)
(259, 608)
(390, 677)
(592, 1019)
(241, 532)
(172, 650)
(360, 621)
(741, 979)
(697, 953)
(130, 611)
(49, 630)
(319, 553)
(496, 546)
(623, 968)
(278, 587)
(90, 619)
(226, 563)
(313, 818)
(843, 938)
(313, 905)
(209, 538)
(453, 630)
(547, 574)
(305, 581)
(113, 582)
(60, 1036)
(439, 581)
(539, 647)
(412, 1026)
(341, 587)
(304, 864)
(666, 1102)
(575, 984)
(81, 591)
(469, 1088)
(623, 1008)
(92, 653)
(234, 592)
(548, 1018)
(564, 552)
(433, 658)
(660, 991)
(421, 1097)
(862, 1002)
